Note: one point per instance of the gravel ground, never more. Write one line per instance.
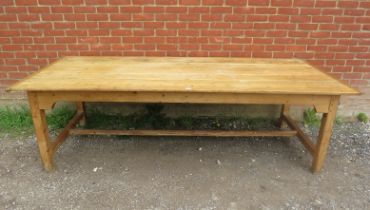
(187, 173)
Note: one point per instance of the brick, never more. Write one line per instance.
(341, 34)
(254, 33)
(310, 11)
(9, 33)
(359, 83)
(317, 48)
(275, 47)
(276, 33)
(242, 40)
(64, 25)
(120, 17)
(132, 24)
(15, 61)
(350, 27)
(65, 39)
(263, 26)
(189, 17)
(165, 17)
(189, 2)
(143, 2)
(234, 18)
(344, 56)
(288, 11)
(174, 25)
(232, 33)
(56, 47)
(154, 40)
(352, 76)
(355, 63)
(49, 2)
(358, 48)
(321, 55)
(144, 32)
(354, 12)
(236, 2)
(75, 17)
(52, 17)
(28, 18)
(263, 10)
(153, 24)
(25, 2)
(362, 69)
(108, 25)
(97, 17)
(300, 19)
(210, 47)
(298, 34)
(119, 2)
(243, 10)
(320, 34)
(365, 4)
(188, 32)
(199, 25)
(143, 17)
(283, 3)
(322, 19)
(211, 17)
(107, 9)
(329, 27)
(254, 18)
(166, 32)
(283, 55)
(150, 9)
(8, 18)
(362, 20)
(286, 26)
(284, 40)
(261, 54)
(213, 2)
(166, 2)
(72, 2)
(199, 9)
(11, 10)
(262, 41)
(41, 10)
(76, 33)
(279, 18)
(303, 3)
(348, 4)
(166, 47)
(130, 9)
(61, 9)
(332, 3)
(84, 9)
(221, 10)
(258, 2)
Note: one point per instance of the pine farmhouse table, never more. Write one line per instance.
(183, 80)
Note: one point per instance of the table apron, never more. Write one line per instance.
(47, 99)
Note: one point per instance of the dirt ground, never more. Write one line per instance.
(187, 173)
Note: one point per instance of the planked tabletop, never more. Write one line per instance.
(183, 74)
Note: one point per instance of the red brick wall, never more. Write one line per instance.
(332, 34)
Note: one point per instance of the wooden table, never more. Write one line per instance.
(183, 80)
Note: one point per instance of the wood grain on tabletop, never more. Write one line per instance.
(183, 74)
